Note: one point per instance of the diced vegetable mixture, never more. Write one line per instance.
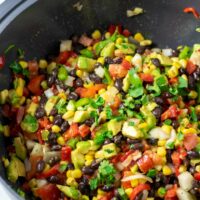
(111, 117)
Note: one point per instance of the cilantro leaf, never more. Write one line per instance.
(94, 115)
(168, 121)
(193, 114)
(99, 102)
(170, 145)
(136, 92)
(180, 136)
(134, 78)
(108, 112)
(93, 183)
(102, 136)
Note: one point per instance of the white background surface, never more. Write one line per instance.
(3, 194)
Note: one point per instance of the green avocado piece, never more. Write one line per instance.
(29, 124)
(126, 83)
(108, 50)
(20, 148)
(126, 48)
(109, 150)
(86, 64)
(3, 96)
(70, 192)
(114, 126)
(150, 118)
(50, 104)
(164, 60)
(71, 105)
(78, 159)
(81, 116)
(83, 147)
(15, 169)
(82, 102)
(93, 146)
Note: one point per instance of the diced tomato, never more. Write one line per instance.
(126, 32)
(20, 114)
(52, 171)
(35, 99)
(123, 157)
(176, 159)
(66, 153)
(34, 84)
(73, 131)
(172, 112)
(190, 141)
(44, 123)
(193, 11)
(39, 137)
(115, 105)
(33, 68)
(2, 61)
(145, 163)
(63, 56)
(84, 130)
(117, 70)
(126, 64)
(48, 192)
(146, 77)
(197, 176)
(85, 40)
(116, 159)
(173, 80)
(126, 184)
(190, 67)
(108, 196)
(171, 193)
(25, 92)
(141, 187)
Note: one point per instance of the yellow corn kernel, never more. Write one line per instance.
(128, 58)
(5, 161)
(142, 125)
(176, 64)
(193, 94)
(161, 151)
(69, 173)
(100, 192)
(166, 128)
(99, 154)
(189, 130)
(107, 35)
(68, 114)
(94, 198)
(47, 167)
(197, 168)
(43, 64)
(62, 95)
(61, 140)
(89, 48)
(85, 197)
(197, 109)
(161, 143)
(128, 191)
(101, 91)
(89, 85)
(72, 182)
(134, 169)
(77, 173)
(139, 37)
(145, 43)
(182, 168)
(119, 40)
(51, 118)
(101, 60)
(134, 183)
(6, 131)
(88, 162)
(96, 34)
(91, 153)
(88, 157)
(55, 128)
(79, 73)
(166, 170)
(23, 64)
(172, 72)
(183, 63)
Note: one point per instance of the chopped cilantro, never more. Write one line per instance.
(170, 145)
(168, 122)
(99, 102)
(173, 90)
(93, 183)
(108, 112)
(180, 136)
(102, 136)
(136, 92)
(122, 194)
(94, 115)
(131, 123)
(193, 114)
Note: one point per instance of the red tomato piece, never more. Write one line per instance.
(126, 32)
(33, 68)
(126, 64)
(66, 153)
(52, 171)
(146, 77)
(145, 163)
(190, 141)
(44, 123)
(138, 189)
(197, 176)
(190, 67)
(84, 130)
(117, 70)
(172, 112)
(34, 85)
(176, 159)
(171, 193)
(112, 29)
(2, 61)
(63, 56)
(73, 130)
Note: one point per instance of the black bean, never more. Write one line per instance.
(118, 139)
(54, 72)
(159, 100)
(85, 179)
(191, 82)
(64, 126)
(193, 154)
(182, 71)
(156, 62)
(88, 170)
(56, 147)
(140, 49)
(137, 107)
(50, 81)
(43, 100)
(137, 146)
(95, 78)
(175, 53)
(52, 139)
(40, 166)
(117, 60)
(175, 123)
(107, 141)
(84, 188)
(40, 112)
(133, 141)
(196, 76)
(58, 120)
(192, 170)
(168, 156)
(119, 84)
(53, 179)
(73, 96)
(152, 141)
(78, 83)
(73, 73)
(167, 95)
(98, 64)
(157, 112)
(95, 165)
(107, 188)
(89, 121)
(108, 60)
(70, 166)
(54, 112)
(52, 161)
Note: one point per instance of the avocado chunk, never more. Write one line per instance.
(86, 64)
(83, 147)
(29, 124)
(131, 131)
(15, 169)
(71, 105)
(114, 126)
(126, 48)
(32, 108)
(70, 192)
(126, 83)
(108, 50)
(164, 60)
(78, 159)
(109, 150)
(20, 148)
(50, 104)
(82, 102)
(93, 146)
(81, 116)
(3, 96)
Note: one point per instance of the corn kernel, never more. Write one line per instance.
(79, 73)
(107, 35)
(51, 118)
(142, 125)
(193, 94)
(88, 162)
(101, 192)
(55, 128)
(61, 140)
(101, 91)
(88, 85)
(23, 64)
(166, 128)
(128, 191)
(134, 169)
(172, 72)
(43, 64)
(183, 63)
(119, 40)
(96, 34)
(89, 48)
(139, 37)
(161, 143)
(166, 170)
(47, 167)
(91, 153)
(85, 197)
(197, 168)
(145, 43)
(68, 114)
(88, 157)
(134, 183)
(182, 168)
(62, 95)
(176, 64)
(101, 60)
(72, 182)
(161, 151)
(94, 198)
(76, 173)
(69, 173)
(189, 130)
(128, 58)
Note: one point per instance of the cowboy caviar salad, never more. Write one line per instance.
(110, 117)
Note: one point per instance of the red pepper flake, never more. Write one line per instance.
(193, 11)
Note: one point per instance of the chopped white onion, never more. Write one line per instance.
(51, 154)
(27, 164)
(37, 150)
(99, 71)
(41, 182)
(69, 81)
(157, 50)
(158, 133)
(195, 58)
(59, 88)
(137, 176)
(137, 60)
(145, 195)
(48, 93)
(167, 52)
(185, 180)
(183, 195)
(172, 137)
(30, 144)
(65, 45)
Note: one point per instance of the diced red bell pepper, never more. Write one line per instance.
(190, 141)
(193, 11)
(34, 85)
(33, 68)
(72, 132)
(39, 136)
(126, 64)
(176, 159)
(145, 163)
(146, 77)
(141, 187)
(63, 56)
(173, 80)
(172, 112)
(20, 114)
(2, 61)
(197, 176)
(66, 153)
(190, 67)
(126, 33)
(44, 123)
(84, 130)
(112, 29)
(124, 156)
(171, 193)
(52, 171)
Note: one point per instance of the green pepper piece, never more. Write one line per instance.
(87, 53)
(185, 53)
(62, 73)
(82, 102)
